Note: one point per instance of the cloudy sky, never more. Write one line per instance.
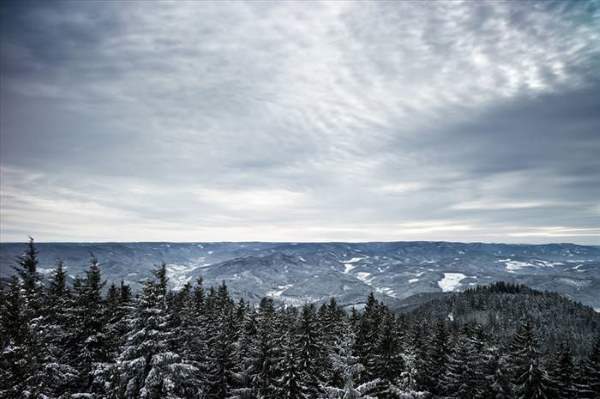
(300, 121)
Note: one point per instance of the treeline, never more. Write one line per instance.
(86, 340)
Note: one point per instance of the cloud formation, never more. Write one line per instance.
(187, 121)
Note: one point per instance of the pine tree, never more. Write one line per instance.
(530, 380)
(198, 294)
(331, 321)
(146, 366)
(418, 348)
(57, 289)
(112, 297)
(267, 351)
(367, 335)
(591, 372)
(311, 352)
(118, 305)
(354, 319)
(30, 279)
(388, 363)
(22, 352)
(500, 384)
(435, 359)
(14, 358)
(289, 386)
(408, 377)
(246, 352)
(89, 325)
(463, 377)
(350, 368)
(179, 305)
(222, 346)
(195, 331)
(564, 374)
(55, 375)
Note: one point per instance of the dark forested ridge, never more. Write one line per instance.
(89, 339)
(499, 308)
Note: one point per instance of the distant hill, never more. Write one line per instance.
(295, 273)
(500, 307)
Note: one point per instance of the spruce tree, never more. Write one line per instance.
(267, 351)
(463, 377)
(591, 370)
(311, 352)
(23, 351)
(118, 307)
(221, 343)
(367, 335)
(530, 380)
(146, 366)
(89, 325)
(388, 363)
(350, 368)
(564, 373)
(195, 332)
(245, 373)
(289, 385)
(500, 384)
(14, 357)
(30, 279)
(55, 376)
(435, 358)
(418, 348)
(57, 288)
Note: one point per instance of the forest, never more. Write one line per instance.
(91, 339)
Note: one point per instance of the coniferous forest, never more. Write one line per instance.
(88, 339)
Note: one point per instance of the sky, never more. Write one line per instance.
(300, 121)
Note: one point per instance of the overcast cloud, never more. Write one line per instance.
(300, 121)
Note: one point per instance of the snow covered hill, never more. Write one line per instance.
(295, 273)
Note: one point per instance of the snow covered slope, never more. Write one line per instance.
(295, 273)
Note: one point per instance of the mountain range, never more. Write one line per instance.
(401, 274)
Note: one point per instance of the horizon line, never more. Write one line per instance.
(301, 242)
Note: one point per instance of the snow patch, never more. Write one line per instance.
(348, 267)
(298, 300)
(349, 264)
(44, 270)
(364, 277)
(574, 282)
(386, 290)
(451, 281)
(546, 263)
(280, 289)
(513, 265)
(178, 275)
(354, 260)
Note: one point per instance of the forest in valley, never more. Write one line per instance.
(91, 339)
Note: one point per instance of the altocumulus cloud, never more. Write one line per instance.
(191, 121)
